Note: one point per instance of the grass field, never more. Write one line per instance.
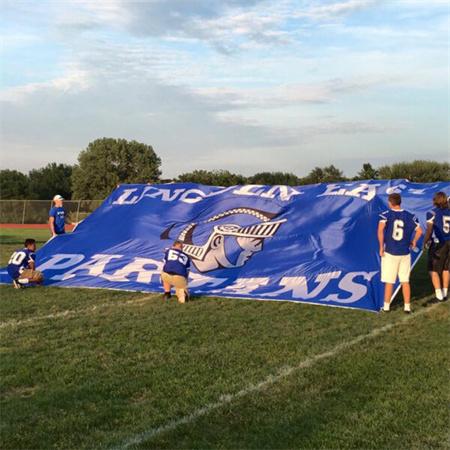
(104, 369)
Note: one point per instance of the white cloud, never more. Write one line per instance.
(291, 79)
(74, 80)
(337, 9)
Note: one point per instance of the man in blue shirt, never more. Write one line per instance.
(395, 230)
(22, 266)
(438, 224)
(57, 216)
(175, 272)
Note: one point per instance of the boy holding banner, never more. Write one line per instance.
(175, 272)
(395, 229)
(438, 224)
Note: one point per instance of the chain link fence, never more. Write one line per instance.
(36, 211)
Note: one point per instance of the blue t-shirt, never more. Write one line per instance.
(59, 214)
(176, 262)
(19, 261)
(400, 225)
(440, 218)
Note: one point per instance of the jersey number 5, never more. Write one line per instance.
(397, 231)
(446, 224)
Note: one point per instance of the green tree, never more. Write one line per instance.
(272, 178)
(108, 162)
(52, 179)
(323, 175)
(13, 184)
(212, 178)
(367, 173)
(418, 171)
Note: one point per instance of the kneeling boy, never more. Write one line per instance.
(175, 272)
(395, 230)
(22, 266)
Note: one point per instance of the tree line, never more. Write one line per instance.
(108, 162)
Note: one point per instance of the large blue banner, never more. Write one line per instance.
(314, 244)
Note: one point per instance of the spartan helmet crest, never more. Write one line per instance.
(226, 245)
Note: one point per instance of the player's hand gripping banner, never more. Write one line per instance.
(315, 244)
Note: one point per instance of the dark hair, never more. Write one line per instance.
(395, 199)
(29, 241)
(440, 200)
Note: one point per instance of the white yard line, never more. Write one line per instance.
(73, 312)
(270, 380)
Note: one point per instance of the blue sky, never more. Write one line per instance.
(241, 85)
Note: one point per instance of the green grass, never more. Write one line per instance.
(119, 363)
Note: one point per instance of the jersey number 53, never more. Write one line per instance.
(175, 256)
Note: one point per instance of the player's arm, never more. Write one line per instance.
(31, 262)
(381, 227)
(417, 235)
(51, 222)
(188, 266)
(429, 230)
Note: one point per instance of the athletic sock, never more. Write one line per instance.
(386, 306)
(407, 307)
(439, 295)
(445, 292)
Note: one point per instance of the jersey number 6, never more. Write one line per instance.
(397, 231)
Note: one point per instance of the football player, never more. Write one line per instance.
(57, 216)
(175, 272)
(438, 224)
(22, 266)
(395, 229)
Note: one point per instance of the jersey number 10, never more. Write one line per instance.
(17, 258)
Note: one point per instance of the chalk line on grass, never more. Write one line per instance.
(73, 312)
(268, 381)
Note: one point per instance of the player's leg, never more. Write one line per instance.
(404, 271)
(388, 290)
(29, 277)
(181, 295)
(16, 284)
(389, 271)
(446, 272)
(436, 267)
(180, 284)
(406, 291)
(35, 277)
(25, 277)
(165, 279)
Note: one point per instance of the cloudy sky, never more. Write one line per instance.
(244, 85)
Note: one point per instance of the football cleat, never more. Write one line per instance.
(17, 285)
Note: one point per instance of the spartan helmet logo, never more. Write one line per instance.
(228, 245)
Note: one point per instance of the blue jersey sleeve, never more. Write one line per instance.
(52, 212)
(384, 216)
(430, 216)
(31, 257)
(416, 222)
